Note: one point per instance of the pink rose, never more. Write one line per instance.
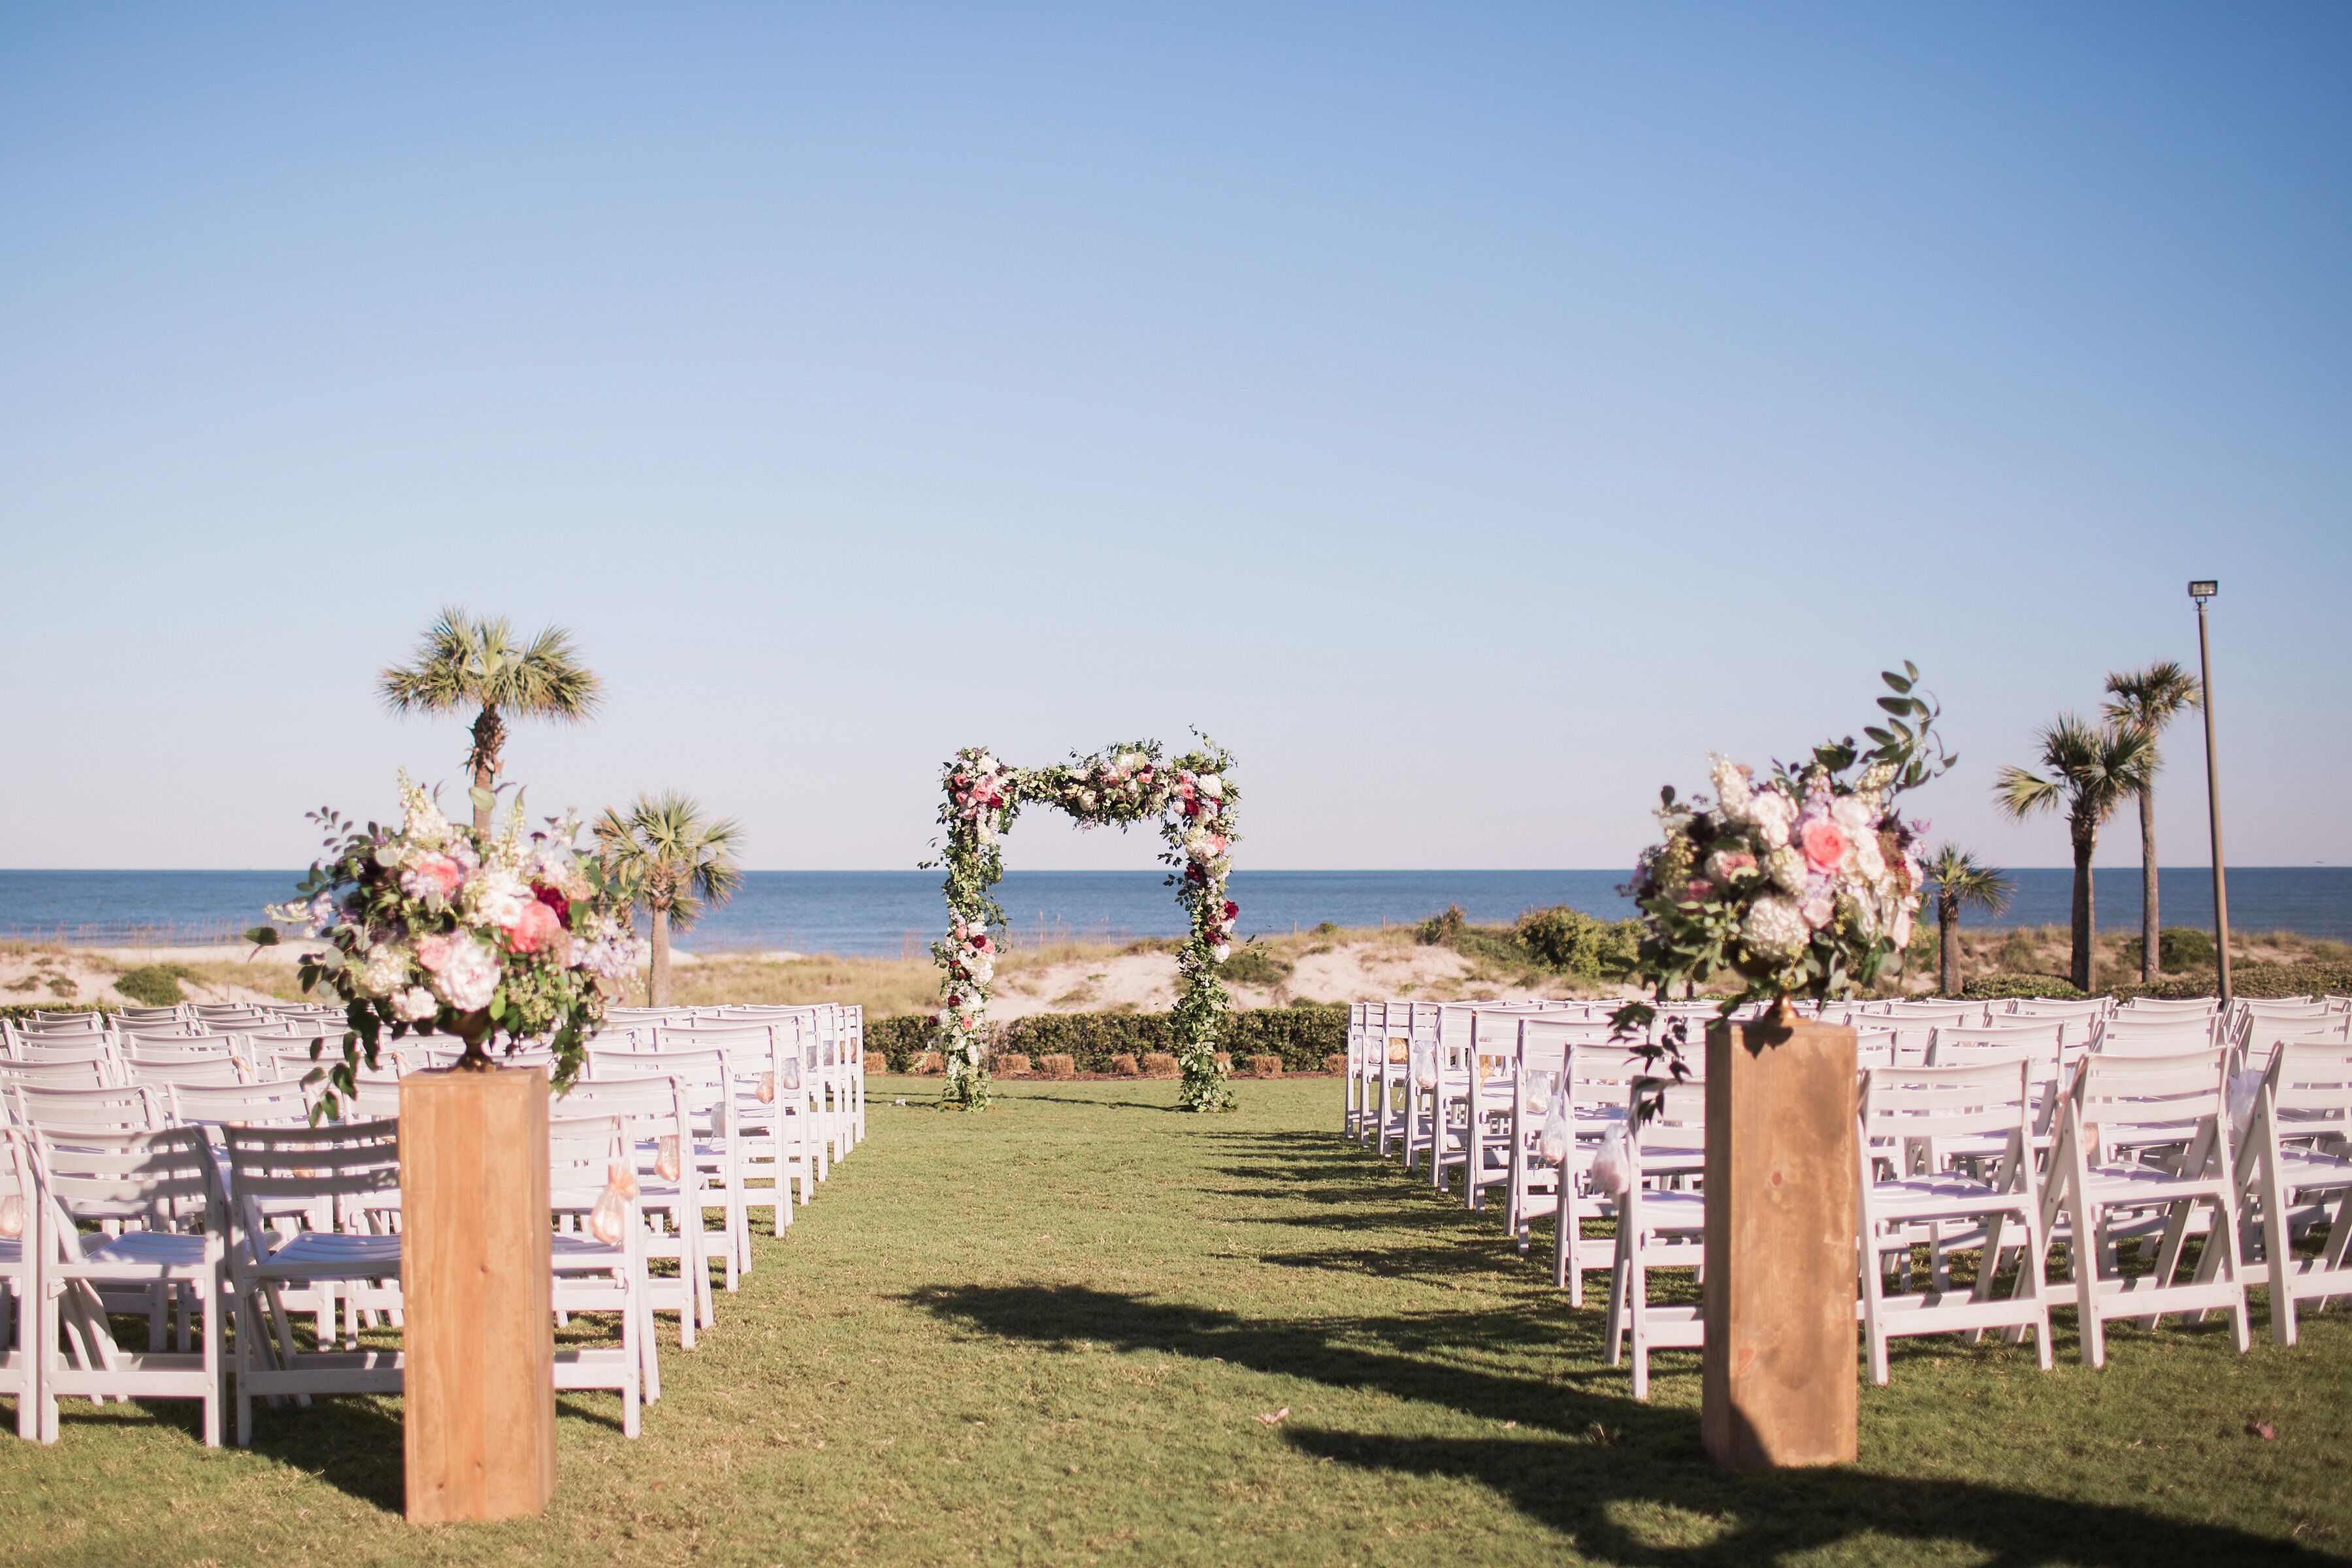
(1697, 890)
(433, 953)
(1824, 845)
(534, 928)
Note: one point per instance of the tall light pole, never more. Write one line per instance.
(2202, 591)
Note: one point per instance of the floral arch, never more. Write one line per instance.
(1193, 796)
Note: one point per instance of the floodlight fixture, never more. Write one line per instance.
(2203, 589)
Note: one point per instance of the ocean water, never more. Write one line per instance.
(887, 912)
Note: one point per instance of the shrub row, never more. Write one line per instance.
(1298, 1037)
(1562, 940)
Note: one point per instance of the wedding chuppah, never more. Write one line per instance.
(1194, 797)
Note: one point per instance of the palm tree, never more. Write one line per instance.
(2090, 768)
(463, 663)
(2149, 699)
(665, 854)
(1960, 882)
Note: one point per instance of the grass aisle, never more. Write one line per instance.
(1053, 1333)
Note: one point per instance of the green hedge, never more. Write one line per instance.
(27, 1009)
(1562, 940)
(1301, 1037)
(2263, 980)
(2002, 987)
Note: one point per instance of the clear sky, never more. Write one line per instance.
(1470, 415)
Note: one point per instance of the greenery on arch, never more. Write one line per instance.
(1192, 796)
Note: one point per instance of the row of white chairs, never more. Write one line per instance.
(114, 1210)
(1999, 1131)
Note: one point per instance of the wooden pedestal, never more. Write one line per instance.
(1780, 1379)
(476, 1258)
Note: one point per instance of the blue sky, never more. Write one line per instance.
(1471, 416)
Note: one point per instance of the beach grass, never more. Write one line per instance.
(1085, 1328)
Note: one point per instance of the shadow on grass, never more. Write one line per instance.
(1608, 1460)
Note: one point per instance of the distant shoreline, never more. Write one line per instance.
(897, 914)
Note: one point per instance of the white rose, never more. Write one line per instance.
(1221, 952)
(1855, 815)
(414, 1006)
(1867, 857)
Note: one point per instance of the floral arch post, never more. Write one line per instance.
(1194, 797)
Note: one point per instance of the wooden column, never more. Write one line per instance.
(1780, 1379)
(476, 1258)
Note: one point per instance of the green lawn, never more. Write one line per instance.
(1050, 1333)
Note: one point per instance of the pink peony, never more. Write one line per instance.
(434, 877)
(534, 927)
(1697, 890)
(1825, 843)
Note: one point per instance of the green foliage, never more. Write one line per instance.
(1570, 942)
(153, 984)
(2263, 980)
(1255, 965)
(2176, 948)
(1442, 930)
(2020, 949)
(2001, 987)
(1560, 941)
(1302, 1034)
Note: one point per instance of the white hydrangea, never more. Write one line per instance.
(380, 972)
(1211, 786)
(1786, 867)
(1773, 812)
(1774, 930)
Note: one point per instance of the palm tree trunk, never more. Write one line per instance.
(1947, 922)
(489, 740)
(657, 987)
(2086, 920)
(2151, 934)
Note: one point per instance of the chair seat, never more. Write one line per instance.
(1929, 1197)
(332, 1255)
(2149, 1183)
(164, 1251)
(2302, 1168)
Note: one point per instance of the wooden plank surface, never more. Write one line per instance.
(477, 1295)
(1779, 1381)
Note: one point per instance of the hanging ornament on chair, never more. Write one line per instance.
(612, 1210)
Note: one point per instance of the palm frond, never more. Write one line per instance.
(2021, 793)
(1957, 874)
(667, 854)
(468, 661)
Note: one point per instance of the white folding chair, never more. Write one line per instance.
(2144, 1153)
(588, 1162)
(149, 1188)
(355, 1167)
(2295, 1177)
(1973, 1126)
(1659, 1226)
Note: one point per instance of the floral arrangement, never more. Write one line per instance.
(433, 930)
(1193, 796)
(1797, 884)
